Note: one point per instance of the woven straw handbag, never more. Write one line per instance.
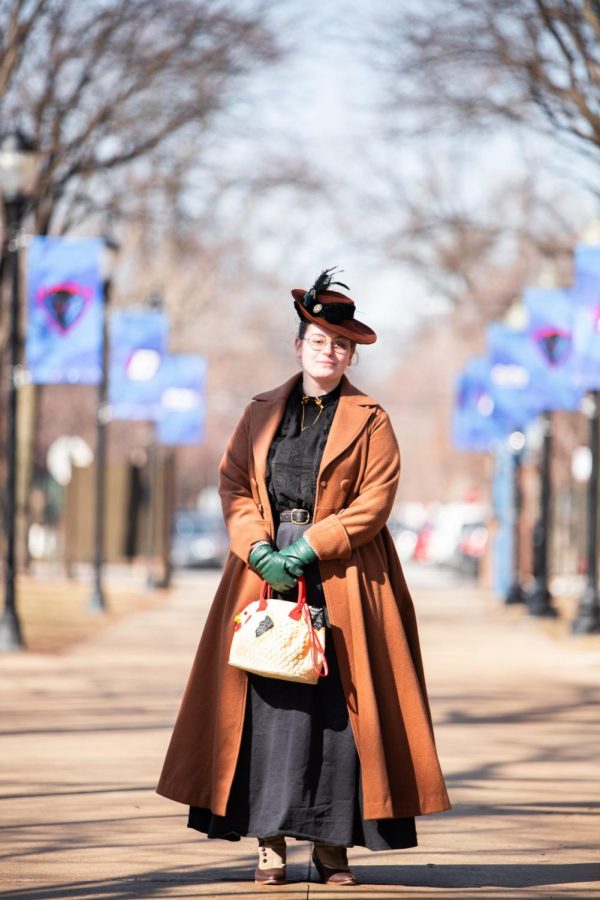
(277, 639)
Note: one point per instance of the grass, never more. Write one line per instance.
(53, 612)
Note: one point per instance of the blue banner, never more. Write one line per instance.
(551, 313)
(586, 289)
(586, 343)
(64, 336)
(515, 389)
(182, 418)
(516, 368)
(138, 343)
(479, 420)
(586, 330)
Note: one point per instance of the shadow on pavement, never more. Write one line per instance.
(156, 884)
(83, 791)
(551, 808)
(502, 876)
(570, 711)
(89, 729)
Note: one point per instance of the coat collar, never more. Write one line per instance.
(349, 393)
(354, 410)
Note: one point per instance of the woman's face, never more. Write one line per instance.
(323, 354)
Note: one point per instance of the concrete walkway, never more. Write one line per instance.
(83, 734)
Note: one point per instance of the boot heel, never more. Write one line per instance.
(333, 876)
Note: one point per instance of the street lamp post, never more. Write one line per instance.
(97, 601)
(19, 167)
(539, 601)
(154, 302)
(515, 592)
(587, 620)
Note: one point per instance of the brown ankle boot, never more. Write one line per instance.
(331, 862)
(271, 861)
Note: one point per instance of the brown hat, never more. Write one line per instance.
(331, 309)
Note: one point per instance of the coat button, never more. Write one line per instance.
(260, 508)
(323, 483)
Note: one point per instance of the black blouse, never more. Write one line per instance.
(295, 454)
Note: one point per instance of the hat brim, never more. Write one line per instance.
(350, 328)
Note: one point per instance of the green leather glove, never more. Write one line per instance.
(298, 555)
(270, 565)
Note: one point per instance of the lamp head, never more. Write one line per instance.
(19, 166)
(155, 300)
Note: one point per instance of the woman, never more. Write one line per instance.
(308, 481)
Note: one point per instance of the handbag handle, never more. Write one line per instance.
(296, 612)
(266, 593)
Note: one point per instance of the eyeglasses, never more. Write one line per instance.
(318, 342)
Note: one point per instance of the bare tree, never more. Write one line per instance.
(110, 88)
(453, 73)
(461, 63)
(471, 238)
(122, 94)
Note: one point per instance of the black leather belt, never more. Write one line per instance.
(297, 516)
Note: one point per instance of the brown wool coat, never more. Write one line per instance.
(373, 621)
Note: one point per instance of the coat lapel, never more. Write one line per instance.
(267, 413)
(351, 416)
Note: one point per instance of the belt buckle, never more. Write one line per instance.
(304, 512)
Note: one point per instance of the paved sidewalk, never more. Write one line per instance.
(83, 734)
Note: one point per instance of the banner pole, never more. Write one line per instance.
(587, 620)
(539, 601)
(515, 593)
(97, 601)
(11, 637)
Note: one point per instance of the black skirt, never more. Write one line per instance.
(298, 772)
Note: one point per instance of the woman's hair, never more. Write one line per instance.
(303, 325)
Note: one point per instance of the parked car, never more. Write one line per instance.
(198, 540)
(451, 522)
(471, 548)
